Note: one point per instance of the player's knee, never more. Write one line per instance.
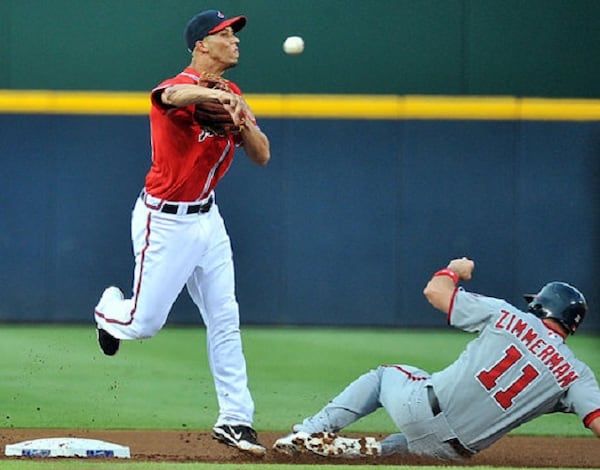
(147, 329)
(226, 332)
(224, 315)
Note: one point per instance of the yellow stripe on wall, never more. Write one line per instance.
(73, 102)
(318, 106)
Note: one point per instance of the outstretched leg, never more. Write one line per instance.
(390, 387)
(317, 433)
(163, 248)
(358, 399)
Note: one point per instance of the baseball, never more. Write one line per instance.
(293, 45)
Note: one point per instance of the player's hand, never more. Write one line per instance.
(235, 105)
(463, 267)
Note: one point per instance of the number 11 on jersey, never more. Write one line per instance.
(489, 378)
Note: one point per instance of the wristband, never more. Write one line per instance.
(449, 273)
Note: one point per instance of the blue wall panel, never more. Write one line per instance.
(343, 227)
(557, 215)
(64, 229)
(457, 198)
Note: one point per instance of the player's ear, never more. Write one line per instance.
(202, 45)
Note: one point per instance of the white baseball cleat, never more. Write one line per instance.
(292, 444)
(327, 444)
(330, 444)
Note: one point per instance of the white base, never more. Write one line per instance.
(67, 447)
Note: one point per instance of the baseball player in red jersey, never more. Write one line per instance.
(518, 368)
(179, 238)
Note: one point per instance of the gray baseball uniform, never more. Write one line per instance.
(514, 371)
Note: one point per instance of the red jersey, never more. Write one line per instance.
(187, 160)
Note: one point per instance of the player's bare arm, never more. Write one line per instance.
(186, 94)
(595, 426)
(440, 288)
(256, 144)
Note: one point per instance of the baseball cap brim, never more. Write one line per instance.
(529, 297)
(236, 23)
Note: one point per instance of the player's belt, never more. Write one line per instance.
(434, 403)
(170, 208)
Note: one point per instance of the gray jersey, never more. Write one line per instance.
(514, 371)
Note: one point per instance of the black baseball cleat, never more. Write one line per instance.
(108, 343)
(240, 436)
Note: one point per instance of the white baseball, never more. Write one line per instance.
(293, 45)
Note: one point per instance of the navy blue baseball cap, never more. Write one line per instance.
(209, 22)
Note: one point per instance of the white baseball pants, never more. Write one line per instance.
(192, 250)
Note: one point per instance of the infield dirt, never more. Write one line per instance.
(197, 446)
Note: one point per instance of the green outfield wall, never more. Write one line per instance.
(546, 48)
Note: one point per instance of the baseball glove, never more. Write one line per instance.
(212, 115)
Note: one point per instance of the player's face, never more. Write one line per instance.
(223, 47)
